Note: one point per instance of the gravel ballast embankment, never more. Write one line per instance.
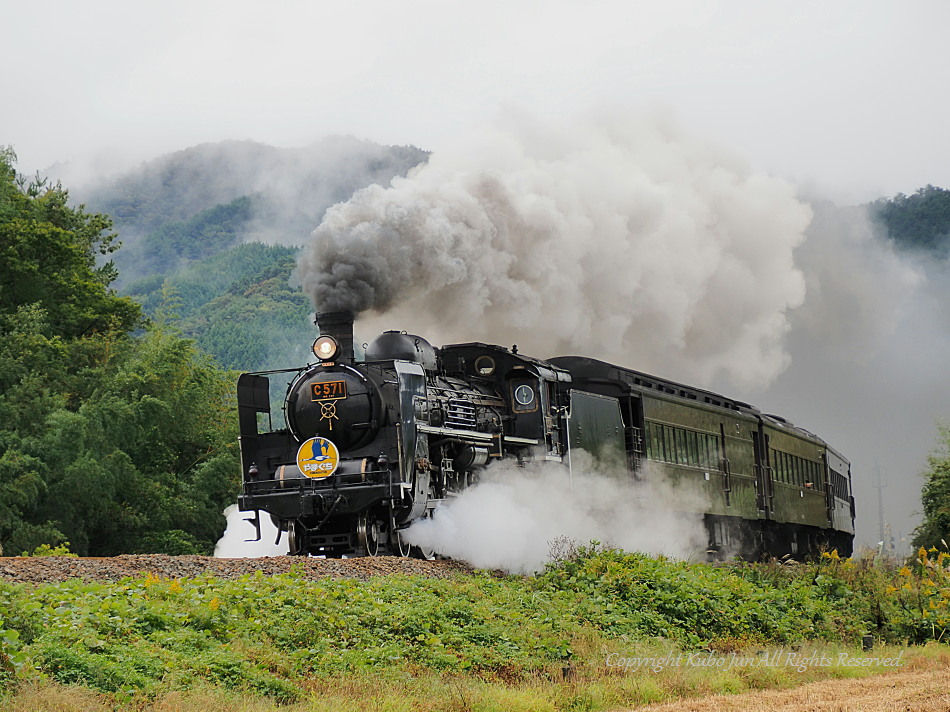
(51, 569)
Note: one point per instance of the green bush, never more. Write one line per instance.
(274, 636)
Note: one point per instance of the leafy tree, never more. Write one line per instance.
(48, 256)
(149, 461)
(917, 222)
(114, 442)
(935, 498)
(133, 452)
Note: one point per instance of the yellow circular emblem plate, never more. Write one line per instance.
(318, 457)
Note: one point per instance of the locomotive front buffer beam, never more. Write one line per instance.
(295, 503)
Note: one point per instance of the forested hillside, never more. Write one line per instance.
(238, 305)
(115, 438)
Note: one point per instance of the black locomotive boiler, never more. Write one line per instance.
(362, 449)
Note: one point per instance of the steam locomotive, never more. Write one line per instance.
(362, 449)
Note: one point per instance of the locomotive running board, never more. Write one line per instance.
(452, 432)
(521, 441)
(473, 435)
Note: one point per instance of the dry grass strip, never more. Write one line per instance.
(904, 691)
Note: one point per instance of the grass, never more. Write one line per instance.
(562, 640)
(595, 688)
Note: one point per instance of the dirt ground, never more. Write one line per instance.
(909, 690)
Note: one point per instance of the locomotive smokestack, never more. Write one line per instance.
(339, 325)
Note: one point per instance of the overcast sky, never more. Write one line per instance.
(848, 97)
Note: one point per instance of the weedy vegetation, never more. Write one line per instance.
(481, 641)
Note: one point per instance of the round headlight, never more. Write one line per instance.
(326, 348)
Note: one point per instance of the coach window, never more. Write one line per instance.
(780, 465)
(659, 442)
(692, 442)
(704, 460)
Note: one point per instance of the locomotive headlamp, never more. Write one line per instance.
(326, 348)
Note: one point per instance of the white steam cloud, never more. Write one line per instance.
(858, 289)
(627, 234)
(512, 518)
(234, 543)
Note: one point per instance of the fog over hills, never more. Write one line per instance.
(289, 188)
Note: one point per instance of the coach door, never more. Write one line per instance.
(764, 491)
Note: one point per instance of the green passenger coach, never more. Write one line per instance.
(766, 486)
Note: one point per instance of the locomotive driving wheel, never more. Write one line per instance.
(368, 533)
(295, 540)
(397, 544)
(423, 552)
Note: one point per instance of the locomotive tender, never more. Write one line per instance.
(367, 448)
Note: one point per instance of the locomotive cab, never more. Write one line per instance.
(534, 394)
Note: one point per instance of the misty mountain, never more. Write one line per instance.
(210, 235)
(291, 182)
(192, 203)
(179, 242)
(238, 305)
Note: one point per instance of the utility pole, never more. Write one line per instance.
(880, 506)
